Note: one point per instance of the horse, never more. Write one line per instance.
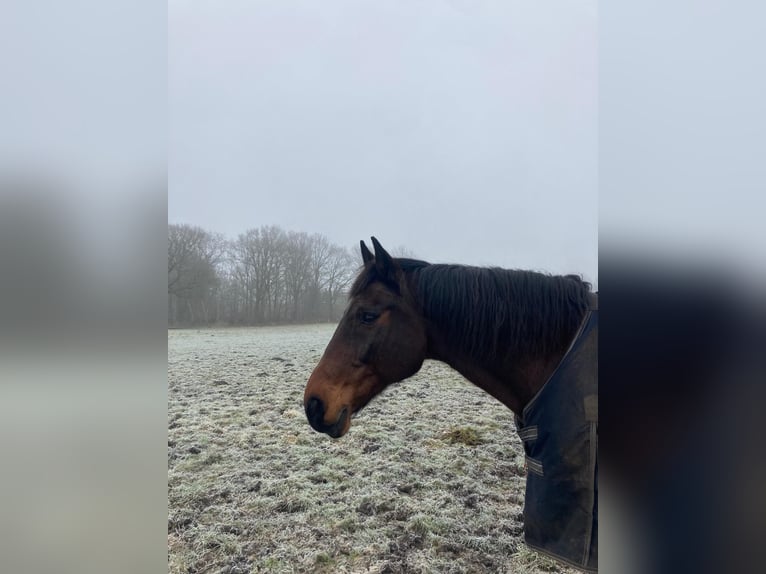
(528, 339)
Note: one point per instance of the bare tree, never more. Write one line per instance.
(193, 257)
(258, 256)
(297, 271)
(321, 252)
(338, 275)
(265, 275)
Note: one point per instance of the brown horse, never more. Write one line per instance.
(512, 333)
(505, 331)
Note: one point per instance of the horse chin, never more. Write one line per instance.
(341, 426)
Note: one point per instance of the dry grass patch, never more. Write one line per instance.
(468, 436)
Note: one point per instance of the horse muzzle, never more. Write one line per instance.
(315, 413)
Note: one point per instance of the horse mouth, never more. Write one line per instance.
(335, 430)
(340, 427)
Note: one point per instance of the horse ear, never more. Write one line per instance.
(383, 261)
(367, 256)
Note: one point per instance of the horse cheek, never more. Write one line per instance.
(409, 355)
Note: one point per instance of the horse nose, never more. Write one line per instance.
(315, 412)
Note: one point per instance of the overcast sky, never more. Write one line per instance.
(463, 131)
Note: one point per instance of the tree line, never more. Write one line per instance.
(265, 276)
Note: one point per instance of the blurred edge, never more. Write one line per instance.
(682, 372)
(83, 215)
(82, 382)
(682, 136)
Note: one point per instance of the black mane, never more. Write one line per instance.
(489, 312)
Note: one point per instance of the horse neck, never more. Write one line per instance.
(514, 381)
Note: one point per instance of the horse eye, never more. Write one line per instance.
(368, 318)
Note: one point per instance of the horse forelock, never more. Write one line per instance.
(368, 275)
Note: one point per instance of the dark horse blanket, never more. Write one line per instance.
(559, 429)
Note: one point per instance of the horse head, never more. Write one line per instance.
(380, 340)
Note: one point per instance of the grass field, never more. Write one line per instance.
(430, 477)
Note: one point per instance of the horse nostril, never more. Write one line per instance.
(315, 410)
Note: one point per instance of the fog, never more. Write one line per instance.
(462, 133)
